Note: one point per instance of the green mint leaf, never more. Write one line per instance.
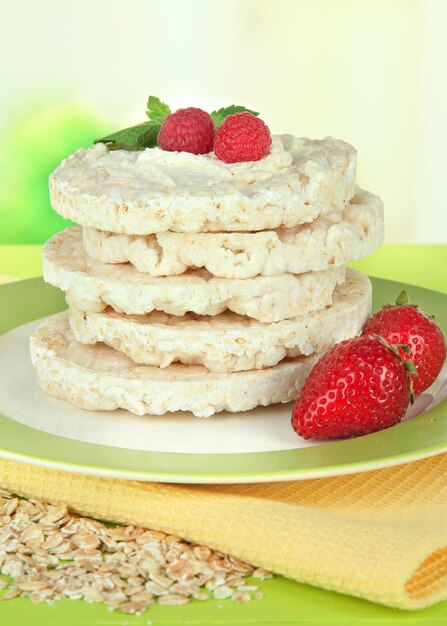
(148, 138)
(157, 111)
(142, 135)
(133, 138)
(219, 115)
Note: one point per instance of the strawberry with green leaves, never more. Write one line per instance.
(405, 323)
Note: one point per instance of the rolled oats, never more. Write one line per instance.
(262, 574)
(201, 552)
(172, 599)
(52, 553)
(240, 597)
(222, 592)
(200, 595)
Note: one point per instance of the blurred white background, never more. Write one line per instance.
(372, 72)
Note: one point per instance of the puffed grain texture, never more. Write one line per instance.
(92, 286)
(100, 378)
(228, 342)
(333, 239)
(151, 191)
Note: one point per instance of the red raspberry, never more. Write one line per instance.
(187, 130)
(242, 137)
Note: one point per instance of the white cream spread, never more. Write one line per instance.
(152, 190)
(177, 171)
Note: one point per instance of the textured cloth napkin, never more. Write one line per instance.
(379, 535)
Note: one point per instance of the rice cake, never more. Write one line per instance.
(100, 378)
(152, 190)
(331, 240)
(92, 285)
(228, 342)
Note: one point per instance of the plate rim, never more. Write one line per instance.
(280, 465)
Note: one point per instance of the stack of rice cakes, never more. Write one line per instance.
(196, 285)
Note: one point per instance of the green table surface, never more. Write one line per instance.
(286, 603)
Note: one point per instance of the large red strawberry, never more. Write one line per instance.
(359, 386)
(405, 324)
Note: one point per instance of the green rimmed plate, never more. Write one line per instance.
(25, 301)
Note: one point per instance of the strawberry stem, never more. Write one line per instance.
(409, 365)
(403, 346)
(403, 298)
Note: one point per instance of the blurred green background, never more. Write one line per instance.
(34, 143)
(369, 71)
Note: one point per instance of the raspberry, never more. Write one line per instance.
(187, 130)
(242, 137)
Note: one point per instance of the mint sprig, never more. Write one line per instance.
(157, 111)
(219, 115)
(142, 135)
(134, 138)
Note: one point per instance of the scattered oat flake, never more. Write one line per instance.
(171, 599)
(222, 592)
(240, 597)
(52, 553)
(262, 574)
(11, 593)
(200, 595)
(247, 588)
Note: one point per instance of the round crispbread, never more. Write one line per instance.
(331, 240)
(100, 378)
(228, 342)
(152, 190)
(92, 285)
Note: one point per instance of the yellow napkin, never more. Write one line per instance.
(379, 535)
